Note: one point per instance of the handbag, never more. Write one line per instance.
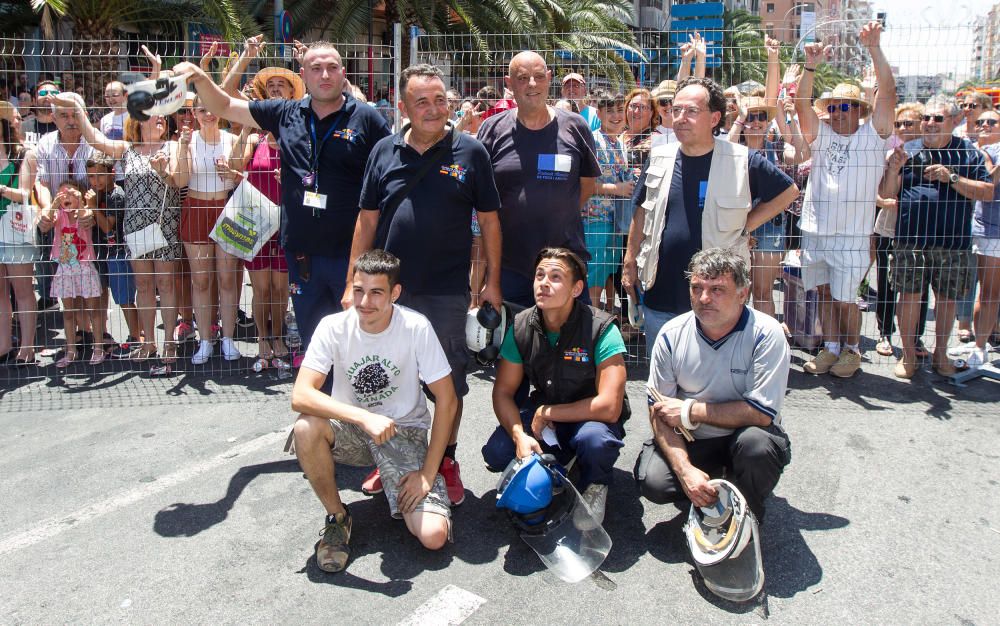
(247, 222)
(150, 238)
(17, 225)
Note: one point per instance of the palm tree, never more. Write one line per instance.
(743, 55)
(96, 51)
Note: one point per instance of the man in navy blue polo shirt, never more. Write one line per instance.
(421, 186)
(325, 139)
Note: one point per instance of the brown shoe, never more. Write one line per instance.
(904, 369)
(847, 365)
(821, 363)
(333, 550)
(946, 369)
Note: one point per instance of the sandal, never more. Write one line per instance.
(67, 358)
(143, 352)
(884, 347)
(922, 351)
(97, 357)
(169, 352)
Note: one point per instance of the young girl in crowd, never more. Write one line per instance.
(76, 282)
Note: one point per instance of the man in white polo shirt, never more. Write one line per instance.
(838, 214)
(722, 371)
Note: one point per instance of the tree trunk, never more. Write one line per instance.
(95, 58)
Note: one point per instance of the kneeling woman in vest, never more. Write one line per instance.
(572, 354)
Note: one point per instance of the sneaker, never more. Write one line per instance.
(203, 354)
(847, 365)
(333, 549)
(184, 331)
(372, 484)
(596, 497)
(124, 349)
(229, 350)
(821, 363)
(452, 480)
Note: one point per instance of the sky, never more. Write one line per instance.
(930, 37)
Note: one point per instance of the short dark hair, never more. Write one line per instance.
(716, 97)
(101, 160)
(577, 267)
(716, 262)
(602, 98)
(375, 262)
(420, 69)
(38, 87)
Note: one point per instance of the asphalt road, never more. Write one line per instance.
(170, 501)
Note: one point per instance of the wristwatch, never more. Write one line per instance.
(952, 178)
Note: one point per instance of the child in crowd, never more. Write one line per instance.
(76, 281)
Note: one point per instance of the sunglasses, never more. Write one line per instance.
(937, 118)
(759, 116)
(969, 105)
(664, 102)
(48, 92)
(184, 111)
(905, 124)
(844, 107)
(987, 122)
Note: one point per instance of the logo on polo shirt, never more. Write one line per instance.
(579, 355)
(454, 170)
(347, 134)
(554, 166)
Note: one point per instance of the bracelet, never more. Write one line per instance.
(686, 415)
(738, 122)
(809, 69)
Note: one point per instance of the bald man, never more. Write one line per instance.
(545, 166)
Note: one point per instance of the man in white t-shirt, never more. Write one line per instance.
(838, 213)
(377, 353)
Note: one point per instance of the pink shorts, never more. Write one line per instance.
(271, 257)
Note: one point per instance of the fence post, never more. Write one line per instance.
(397, 63)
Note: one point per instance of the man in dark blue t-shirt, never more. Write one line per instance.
(938, 178)
(325, 140)
(421, 186)
(676, 213)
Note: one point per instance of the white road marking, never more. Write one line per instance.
(449, 607)
(55, 525)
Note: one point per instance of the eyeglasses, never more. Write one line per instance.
(48, 92)
(971, 106)
(905, 124)
(987, 122)
(664, 102)
(685, 111)
(937, 118)
(843, 106)
(759, 116)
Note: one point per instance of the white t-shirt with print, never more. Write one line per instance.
(843, 184)
(380, 373)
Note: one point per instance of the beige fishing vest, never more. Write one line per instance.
(727, 203)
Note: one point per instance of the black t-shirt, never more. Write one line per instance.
(538, 175)
(933, 214)
(356, 128)
(681, 237)
(111, 243)
(430, 230)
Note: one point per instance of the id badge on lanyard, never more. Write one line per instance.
(313, 198)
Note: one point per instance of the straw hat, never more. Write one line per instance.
(261, 78)
(666, 89)
(756, 103)
(843, 91)
(6, 111)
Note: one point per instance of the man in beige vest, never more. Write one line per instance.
(701, 192)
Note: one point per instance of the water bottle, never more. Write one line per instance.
(292, 339)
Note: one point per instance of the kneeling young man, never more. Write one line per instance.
(378, 353)
(572, 355)
(723, 370)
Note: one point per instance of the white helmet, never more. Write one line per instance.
(485, 328)
(725, 544)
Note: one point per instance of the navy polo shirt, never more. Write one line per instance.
(356, 130)
(431, 229)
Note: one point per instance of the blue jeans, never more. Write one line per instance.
(318, 295)
(595, 444)
(654, 321)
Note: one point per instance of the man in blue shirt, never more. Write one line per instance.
(938, 179)
(325, 139)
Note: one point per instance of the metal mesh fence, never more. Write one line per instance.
(835, 233)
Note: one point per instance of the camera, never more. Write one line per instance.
(161, 96)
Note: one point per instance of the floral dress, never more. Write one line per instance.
(603, 239)
(144, 191)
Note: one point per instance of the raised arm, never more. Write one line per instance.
(231, 82)
(111, 147)
(700, 54)
(883, 114)
(214, 98)
(772, 85)
(808, 121)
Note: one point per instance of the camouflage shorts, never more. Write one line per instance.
(949, 272)
(400, 455)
